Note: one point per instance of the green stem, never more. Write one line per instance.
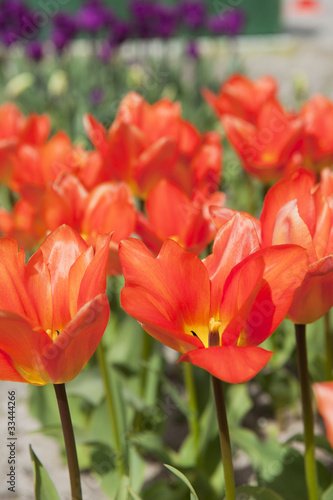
(67, 429)
(147, 348)
(146, 352)
(111, 407)
(309, 458)
(328, 345)
(229, 477)
(193, 404)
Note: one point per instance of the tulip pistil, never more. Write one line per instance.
(214, 332)
(53, 334)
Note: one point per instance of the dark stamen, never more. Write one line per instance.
(194, 334)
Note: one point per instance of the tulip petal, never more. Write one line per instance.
(323, 392)
(154, 321)
(173, 290)
(38, 283)
(7, 370)
(285, 269)
(24, 344)
(234, 241)
(76, 274)
(229, 363)
(162, 153)
(59, 251)
(240, 291)
(75, 345)
(314, 297)
(297, 186)
(94, 279)
(290, 228)
(13, 295)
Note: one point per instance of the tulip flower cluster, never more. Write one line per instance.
(209, 282)
(269, 140)
(149, 151)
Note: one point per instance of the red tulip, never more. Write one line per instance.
(172, 214)
(266, 148)
(110, 207)
(215, 312)
(295, 211)
(317, 151)
(147, 142)
(241, 97)
(54, 309)
(323, 392)
(16, 129)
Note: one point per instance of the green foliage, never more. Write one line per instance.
(44, 487)
(183, 478)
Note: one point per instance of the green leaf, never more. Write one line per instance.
(133, 495)
(328, 494)
(320, 442)
(289, 481)
(122, 492)
(238, 402)
(256, 493)
(88, 386)
(183, 478)
(282, 343)
(266, 457)
(44, 487)
(150, 442)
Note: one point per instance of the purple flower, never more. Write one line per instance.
(104, 51)
(151, 19)
(16, 22)
(230, 22)
(94, 16)
(96, 96)
(34, 50)
(120, 31)
(192, 13)
(64, 30)
(192, 50)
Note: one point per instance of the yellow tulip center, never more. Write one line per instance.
(53, 334)
(210, 336)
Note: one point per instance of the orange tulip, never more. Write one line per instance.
(215, 312)
(241, 97)
(110, 207)
(266, 148)
(147, 142)
(24, 224)
(53, 310)
(295, 211)
(323, 392)
(317, 151)
(17, 129)
(39, 164)
(172, 214)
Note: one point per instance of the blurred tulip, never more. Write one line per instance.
(241, 97)
(109, 207)
(17, 129)
(147, 142)
(317, 151)
(323, 392)
(54, 309)
(172, 214)
(215, 312)
(266, 148)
